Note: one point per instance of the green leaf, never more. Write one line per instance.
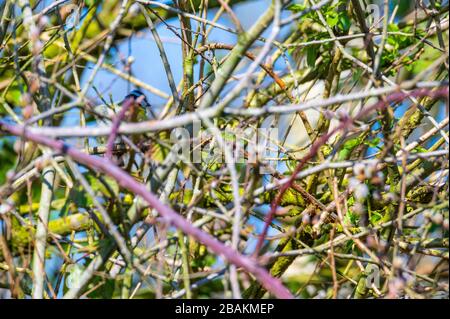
(332, 18)
(419, 149)
(392, 27)
(7, 158)
(351, 218)
(375, 217)
(344, 21)
(373, 142)
(311, 55)
(348, 148)
(296, 7)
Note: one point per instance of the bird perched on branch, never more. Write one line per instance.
(144, 112)
(139, 108)
(133, 108)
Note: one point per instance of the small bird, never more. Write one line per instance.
(138, 109)
(142, 113)
(145, 111)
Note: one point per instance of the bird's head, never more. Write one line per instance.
(136, 94)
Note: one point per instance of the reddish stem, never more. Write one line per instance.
(116, 124)
(272, 284)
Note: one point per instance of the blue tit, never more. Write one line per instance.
(144, 111)
(141, 112)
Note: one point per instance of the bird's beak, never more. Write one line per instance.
(145, 103)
